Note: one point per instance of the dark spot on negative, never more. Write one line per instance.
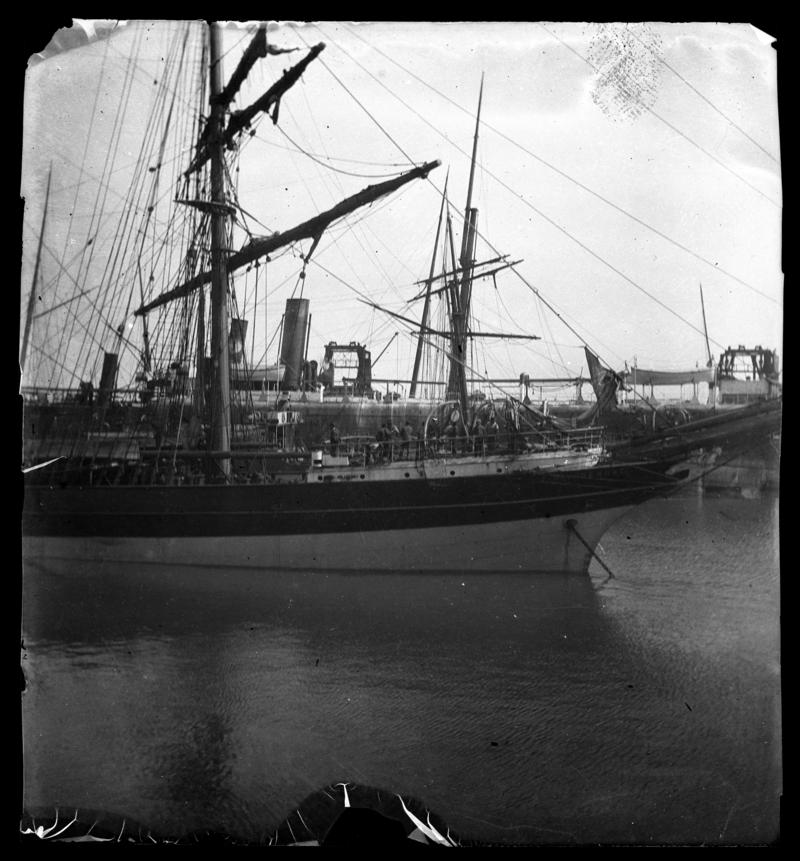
(627, 59)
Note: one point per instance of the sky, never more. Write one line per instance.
(624, 164)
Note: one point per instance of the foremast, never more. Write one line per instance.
(216, 137)
(220, 384)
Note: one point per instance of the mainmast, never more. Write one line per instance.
(220, 387)
(215, 138)
(457, 385)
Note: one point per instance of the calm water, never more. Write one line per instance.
(643, 708)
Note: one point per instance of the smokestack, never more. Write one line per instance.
(293, 342)
(236, 340)
(108, 378)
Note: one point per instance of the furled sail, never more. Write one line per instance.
(311, 229)
(642, 377)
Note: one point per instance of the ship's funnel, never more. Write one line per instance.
(293, 342)
(236, 340)
(108, 378)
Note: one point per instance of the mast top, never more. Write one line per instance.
(474, 152)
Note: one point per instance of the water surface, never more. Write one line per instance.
(642, 708)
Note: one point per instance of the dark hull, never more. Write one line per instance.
(352, 506)
(732, 431)
(536, 521)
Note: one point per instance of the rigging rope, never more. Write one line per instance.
(336, 157)
(706, 100)
(550, 221)
(330, 167)
(363, 108)
(671, 126)
(552, 167)
(114, 292)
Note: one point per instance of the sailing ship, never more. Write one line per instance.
(181, 466)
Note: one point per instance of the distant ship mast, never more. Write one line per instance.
(32, 298)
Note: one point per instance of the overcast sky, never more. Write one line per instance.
(616, 160)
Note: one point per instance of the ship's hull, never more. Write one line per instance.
(538, 521)
(539, 545)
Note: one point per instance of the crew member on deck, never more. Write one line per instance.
(406, 435)
(394, 436)
(383, 436)
(492, 430)
(478, 437)
(334, 439)
(450, 438)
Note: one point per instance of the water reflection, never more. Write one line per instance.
(548, 709)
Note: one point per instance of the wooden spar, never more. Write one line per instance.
(451, 293)
(458, 270)
(389, 344)
(146, 364)
(705, 327)
(241, 120)
(423, 330)
(458, 380)
(311, 229)
(200, 366)
(32, 298)
(471, 174)
(256, 50)
(470, 224)
(220, 387)
(466, 283)
(428, 331)
(418, 357)
(504, 335)
(475, 276)
(450, 235)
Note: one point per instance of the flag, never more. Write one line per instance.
(274, 49)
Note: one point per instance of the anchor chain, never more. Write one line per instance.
(572, 525)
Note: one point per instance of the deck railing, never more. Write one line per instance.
(109, 460)
(363, 449)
